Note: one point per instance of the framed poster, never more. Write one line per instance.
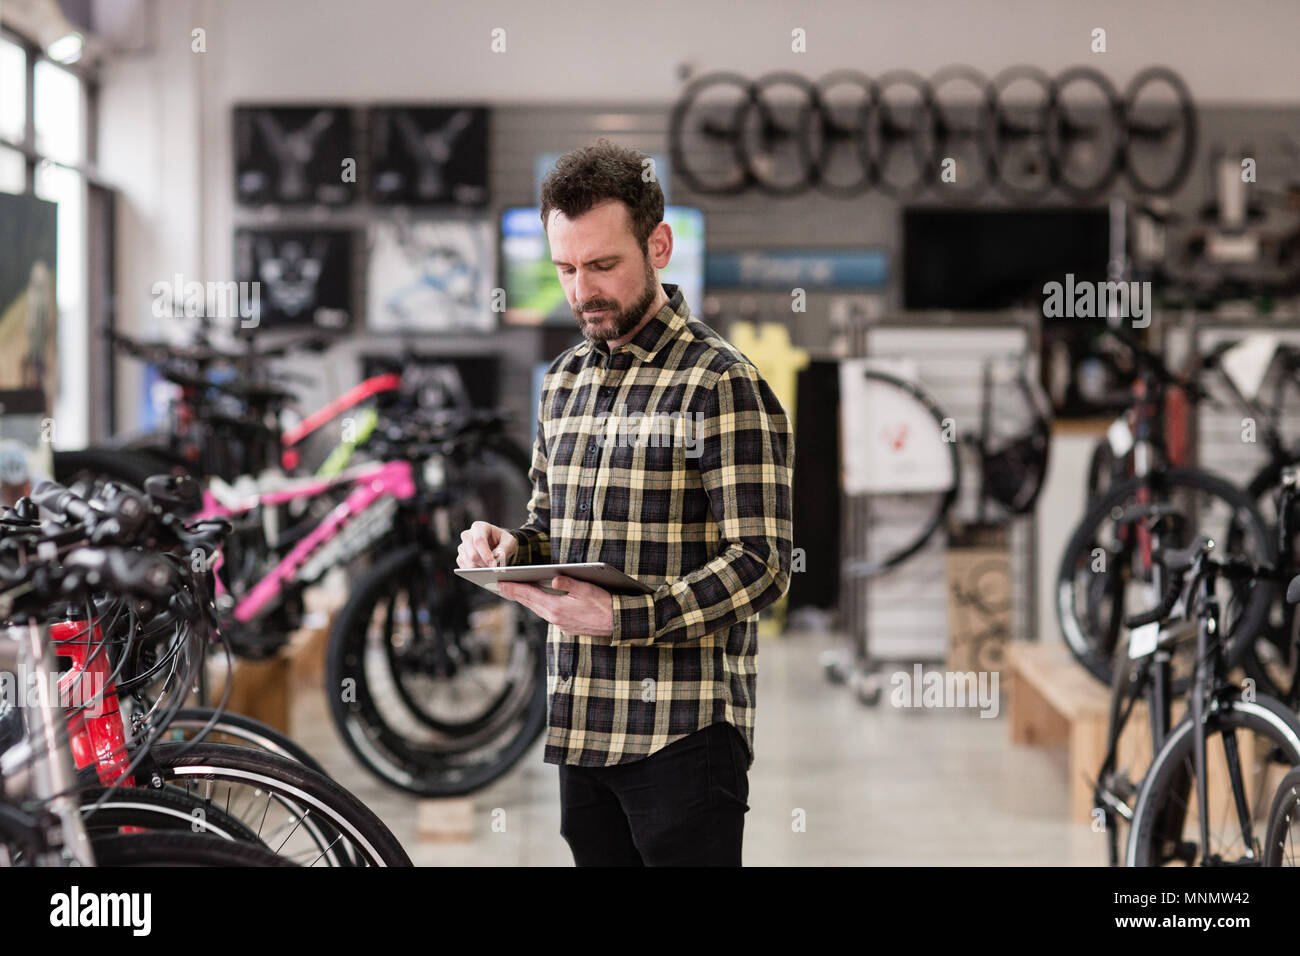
(428, 155)
(29, 381)
(294, 154)
(303, 277)
(442, 381)
(431, 275)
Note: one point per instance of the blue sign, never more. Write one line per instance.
(788, 268)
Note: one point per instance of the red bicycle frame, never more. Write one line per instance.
(95, 728)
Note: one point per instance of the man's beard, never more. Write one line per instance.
(623, 321)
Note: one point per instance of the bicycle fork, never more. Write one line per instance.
(1199, 706)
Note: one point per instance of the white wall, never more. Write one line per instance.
(166, 124)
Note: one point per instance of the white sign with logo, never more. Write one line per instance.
(891, 443)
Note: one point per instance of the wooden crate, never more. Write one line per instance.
(264, 689)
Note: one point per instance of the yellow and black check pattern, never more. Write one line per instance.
(670, 458)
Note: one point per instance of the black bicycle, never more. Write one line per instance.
(1108, 563)
(1204, 797)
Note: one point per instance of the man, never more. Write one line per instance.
(659, 450)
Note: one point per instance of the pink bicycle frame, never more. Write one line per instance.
(353, 396)
(393, 478)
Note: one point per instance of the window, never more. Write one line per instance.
(13, 171)
(51, 159)
(67, 188)
(13, 91)
(58, 114)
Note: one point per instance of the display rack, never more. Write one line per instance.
(901, 615)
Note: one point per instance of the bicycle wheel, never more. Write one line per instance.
(1102, 469)
(435, 685)
(158, 810)
(909, 438)
(1282, 836)
(295, 811)
(1104, 575)
(1269, 660)
(178, 849)
(240, 730)
(704, 134)
(1265, 738)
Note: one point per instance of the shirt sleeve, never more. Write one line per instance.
(534, 536)
(747, 454)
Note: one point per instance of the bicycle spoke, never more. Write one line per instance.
(294, 830)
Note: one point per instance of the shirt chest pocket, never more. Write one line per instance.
(651, 445)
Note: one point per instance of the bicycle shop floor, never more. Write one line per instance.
(877, 785)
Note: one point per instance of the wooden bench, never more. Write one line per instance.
(1055, 702)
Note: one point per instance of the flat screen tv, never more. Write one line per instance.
(534, 295)
(978, 260)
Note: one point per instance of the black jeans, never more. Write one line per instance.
(683, 805)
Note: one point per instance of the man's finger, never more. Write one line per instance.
(482, 548)
(525, 594)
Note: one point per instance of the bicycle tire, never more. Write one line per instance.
(681, 144)
(1262, 715)
(20, 834)
(291, 781)
(1187, 110)
(1088, 648)
(868, 568)
(1275, 641)
(178, 849)
(251, 733)
(1280, 847)
(1114, 163)
(1102, 467)
(386, 750)
(158, 810)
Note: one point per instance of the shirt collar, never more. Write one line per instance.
(656, 333)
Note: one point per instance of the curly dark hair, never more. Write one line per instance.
(593, 174)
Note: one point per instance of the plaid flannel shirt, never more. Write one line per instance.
(670, 458)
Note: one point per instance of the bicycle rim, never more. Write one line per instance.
(1167, 816)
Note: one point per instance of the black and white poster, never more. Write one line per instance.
(304, 277)
(431, 275)
(295, 155)
(428, 155)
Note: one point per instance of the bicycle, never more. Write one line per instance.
(42, 819)
(1281, 840)
(1171, 818)
(312, 818)
(1108, 558)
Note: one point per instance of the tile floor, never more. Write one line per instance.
(878, 785)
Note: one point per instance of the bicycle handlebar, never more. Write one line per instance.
(117, 569)
(1158, 613)
(1153, 363)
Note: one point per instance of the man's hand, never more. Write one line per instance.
(586, 609)
(485, 546)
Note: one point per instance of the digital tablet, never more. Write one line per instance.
(594, 572)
